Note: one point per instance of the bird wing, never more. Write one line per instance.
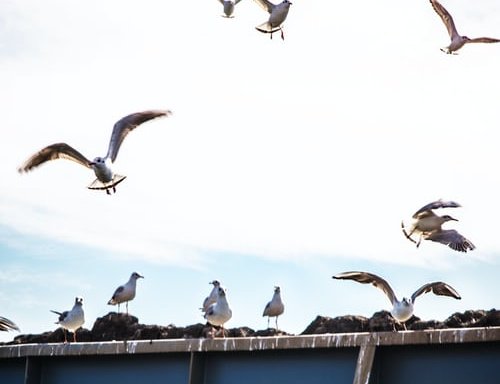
(119, 290)
(438, 288)
(236, 1)
(123, 126)
(266, 5)
(452, 239)
(52, 152)
(483, 40)
(266, 309)
(369, 278)
(221, 1)
(62, 315)
(7, 325)
(434, 205)
(446, 17)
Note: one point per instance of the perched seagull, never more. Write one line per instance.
(125, 292)
(275, 307)
(229, 7)
(7, 325)
(401, 310)
(428, 225)
(212, 297)
(219, 312)
(106, 178)
(277, 15)
(71, 320)
(457, 41)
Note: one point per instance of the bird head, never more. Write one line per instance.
(406, 302)
(215, 283)
(136, 276)
(446, 218)
(98, 161)
(78, 300)
(277, 289)
(222, 292)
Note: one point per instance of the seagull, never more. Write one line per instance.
(228, 7)
(71, 320)
(428, 224)
(277, 15)
(275, 307)
(212, 297)
(125, 292)
(401, 310)
(219, 312)
(457, 41)
(106, 178)
(7, 325)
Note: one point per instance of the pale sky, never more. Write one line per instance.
(284, 162)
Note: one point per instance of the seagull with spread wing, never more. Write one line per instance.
(457, 41)
(428, 225)
(401, 310)
(7, 325)
(106, 178)
(277, 15)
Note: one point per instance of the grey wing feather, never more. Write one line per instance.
(435, 205)
(52, 152)
(451, 238)
(369, 278)
(268, 305)
(7, 325)
(119, 290)
(62, 315)
(484, 40)
(236, 2)
(266, 5)
(123, 126)
(438, 288)
(446, 17)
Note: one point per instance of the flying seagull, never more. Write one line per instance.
(428, 225)
(71, 320)
(125, 292)
(457, 41)
(212, 297)
(219, 312)
(7, 325)
(401, 310)
(277, 15)
(228, 6)
(275, 307)
(106, 178)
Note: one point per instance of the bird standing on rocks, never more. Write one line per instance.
(275, 307)
(219, 312)
(401, 310)
(125, 292)
(71, 320)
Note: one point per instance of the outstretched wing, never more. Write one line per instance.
(452, 239)
(369, 278)
(52, 152)
(446, 17)
(435, 205)
(484, 40)
(438, 288)
(7, 325)
(62, 315)
(266, 5)
(123, 126)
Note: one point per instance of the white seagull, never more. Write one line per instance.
(125, 292)
(7, 325)
(71, 320)
(428, 225)
(219, 312)
(277, 15)
(457, 41)
(106, 178)
(401, 310)
(275, 307)
(228, 6)
(212, 297)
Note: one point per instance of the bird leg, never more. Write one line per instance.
(74, 336)
(126, 304)
(267, 322)
(282, 34)
(107, 191)
(277, 324)
(65, 339)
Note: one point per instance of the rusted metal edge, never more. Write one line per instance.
(329, 340)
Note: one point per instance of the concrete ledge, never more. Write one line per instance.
(340, 340)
